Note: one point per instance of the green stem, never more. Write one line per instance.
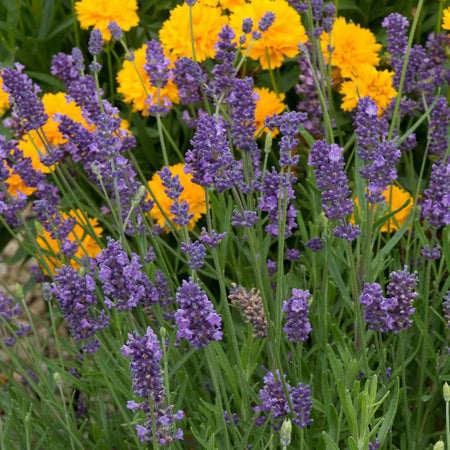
(214, 369)
(405, 64)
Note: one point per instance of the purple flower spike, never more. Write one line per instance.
(436, 201)
(288, 124)
(211, 239)
(210, 161)
(188, 77)
(30, 108)
(301, 404)
(434, 253)
(76, 296)
(247, 219)
(197, 254)
(439, 120)
(8, 312)
(266, 21)
(115, 30)
(328, 163)
(296, 308)
(274, 401)
(146, 354)
(379, 155)
(125, 285)
(315, 244)
(157, 65)
(391, 313)
(376, 312)
(197, 320)
(397, 38)
(95, 42)
(268, 201)
(401, 288)
(247, 25)
(273, 398)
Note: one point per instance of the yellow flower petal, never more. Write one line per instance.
(193, 194)
(280, 40)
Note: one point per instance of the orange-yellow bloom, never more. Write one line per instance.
(370, 82)
(32, 145)
(81, 233)
(4, 98)
(175, 34)
(193, 194)
(269, 103)
(130, 79)
(231, 4)
(446, 19)
(280, 40)
(98, 14)
(396, 197)
(352, 46)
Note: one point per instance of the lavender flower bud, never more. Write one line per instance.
(197, 320)
(95, 42)
(266, 21)
(76, 296)
(115, 30)
(391, 313)
(24, 92)
(247, 25)
(296, 308)
(197, 254)
(146, 354)
(315, 244)
(157, 65)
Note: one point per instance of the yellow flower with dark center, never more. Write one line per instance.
(282, 37)
(396, 197)
(352, 47)
(135, 85)
(4, 98)
(370, 82)
(193, 194)
(81, 233)
(98, 14)
(175, 34)
(269, 103)
(446, 19)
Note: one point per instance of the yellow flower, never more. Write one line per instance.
(231, 4)
(193, 194)
(446, 19)
(352, 46)
(15, 184)
(280, 40)
(397, 197)
(370, 82)
(98, 14)
(267, 105)
(224, 4)
(132, 89)
(32, 144)
(4, 98)
(81, 233)
(175, 34)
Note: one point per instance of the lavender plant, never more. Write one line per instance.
(222, 267)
